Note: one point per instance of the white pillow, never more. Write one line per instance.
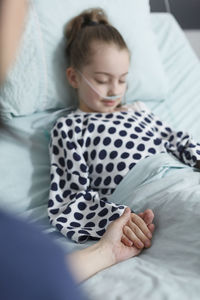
(48, 88)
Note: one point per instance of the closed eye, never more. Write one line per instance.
(101, 82)
(123, 81)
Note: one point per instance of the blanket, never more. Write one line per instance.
(170, 269)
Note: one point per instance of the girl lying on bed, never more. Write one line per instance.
(29, 243)
(95, 146)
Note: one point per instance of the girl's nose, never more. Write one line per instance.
(114, 89)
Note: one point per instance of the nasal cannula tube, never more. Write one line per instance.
(95, 90)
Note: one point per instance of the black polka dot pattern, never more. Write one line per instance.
(90, 155)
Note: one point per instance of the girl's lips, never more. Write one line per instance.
(109, 102)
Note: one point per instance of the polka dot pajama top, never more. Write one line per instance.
(91, 153)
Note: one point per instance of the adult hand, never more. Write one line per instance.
(112, 239)
(108, 251)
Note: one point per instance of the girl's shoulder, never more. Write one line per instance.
(72, 115)
(67, 119)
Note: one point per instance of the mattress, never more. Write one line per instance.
(182, 66)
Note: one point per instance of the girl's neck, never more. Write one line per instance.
(117, 109)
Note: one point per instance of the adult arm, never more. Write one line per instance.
(12, 21)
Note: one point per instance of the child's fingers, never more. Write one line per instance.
(151, 227)
(141, 215)
(126, 241)
(130, 234)
(148, 216)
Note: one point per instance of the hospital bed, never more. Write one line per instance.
(170, 269)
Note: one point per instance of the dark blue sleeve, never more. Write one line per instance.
(31, 265)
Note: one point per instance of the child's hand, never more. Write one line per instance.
(138, 230)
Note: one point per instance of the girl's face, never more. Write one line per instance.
(107, 73)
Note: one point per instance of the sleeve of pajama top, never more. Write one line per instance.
(179, 143)
(74, 208)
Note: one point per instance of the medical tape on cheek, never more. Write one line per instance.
(95, 90)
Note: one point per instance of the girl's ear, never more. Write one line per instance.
(72, 77)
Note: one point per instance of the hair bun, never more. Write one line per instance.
(89, 17)
(90, 23)
(93, 17)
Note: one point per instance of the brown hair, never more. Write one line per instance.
(89, 26)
